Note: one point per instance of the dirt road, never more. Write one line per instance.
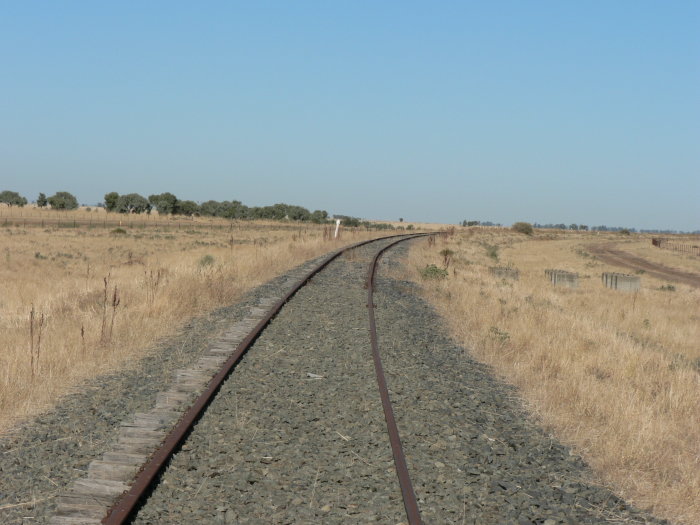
(610, 254)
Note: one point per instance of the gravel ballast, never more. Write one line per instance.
(297, 433)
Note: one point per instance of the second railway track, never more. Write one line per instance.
(297, 434)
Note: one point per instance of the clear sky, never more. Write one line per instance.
(543, 111)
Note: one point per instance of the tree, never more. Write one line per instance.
(523, 227)
(132, 203)
(319, 216)
(188, 208)
(583, 227)
(165, 203)
(41, 201)
(63, 200)
(12, 198)
(212, 209)
(573, 227)
(298, 213)
(111, 199)
(234, 210)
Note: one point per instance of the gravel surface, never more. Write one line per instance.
(297, 434)
(40, 458)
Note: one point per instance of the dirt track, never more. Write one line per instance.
(611, 255)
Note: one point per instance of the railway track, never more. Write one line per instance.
(85, 502)
(297, 433)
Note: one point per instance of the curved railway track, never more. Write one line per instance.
(295, 431)
(77, 507)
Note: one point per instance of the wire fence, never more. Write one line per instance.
(676, 247)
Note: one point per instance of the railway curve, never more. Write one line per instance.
(297, 433)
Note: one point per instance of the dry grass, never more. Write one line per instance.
(616, 375)
(679, 260)
(75, 303)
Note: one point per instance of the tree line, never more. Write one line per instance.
(61, 200)
(168, 204)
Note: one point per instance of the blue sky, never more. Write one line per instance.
(546, 111)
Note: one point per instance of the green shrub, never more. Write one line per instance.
(492, 251)
(118, 231)
(433, 272)
(668, 288)
(523, 227)
(207, 260)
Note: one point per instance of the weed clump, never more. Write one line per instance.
(433, 272)
(207, 260)
(492, 251)
(118, 231)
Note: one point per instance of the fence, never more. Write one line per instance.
(622, 281)
(562, 278)
(676, 247)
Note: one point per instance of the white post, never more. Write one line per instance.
(337, 227)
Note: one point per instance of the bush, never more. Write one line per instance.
(118, 231)
(523, 227)
(433, 272)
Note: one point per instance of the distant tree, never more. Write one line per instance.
(400, 219)
(188, 208)
(41, 201)
(12, 198)
(165, 203)
(62, 200)
(298, 213)
(234, 210)
(583, 227)
(132, 203)
(472, 223)
(573, 227)
(352, 222)
(319, 216)
(523, 227)
(212, 209)
(111, 199)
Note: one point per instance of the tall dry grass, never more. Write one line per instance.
(616, 375)
(75, 303)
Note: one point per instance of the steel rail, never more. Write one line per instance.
(409, 496)
(128, 501)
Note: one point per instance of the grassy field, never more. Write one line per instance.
(78, 302)
(614, 374)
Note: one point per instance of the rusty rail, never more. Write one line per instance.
(409, 497)
(127, 503)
